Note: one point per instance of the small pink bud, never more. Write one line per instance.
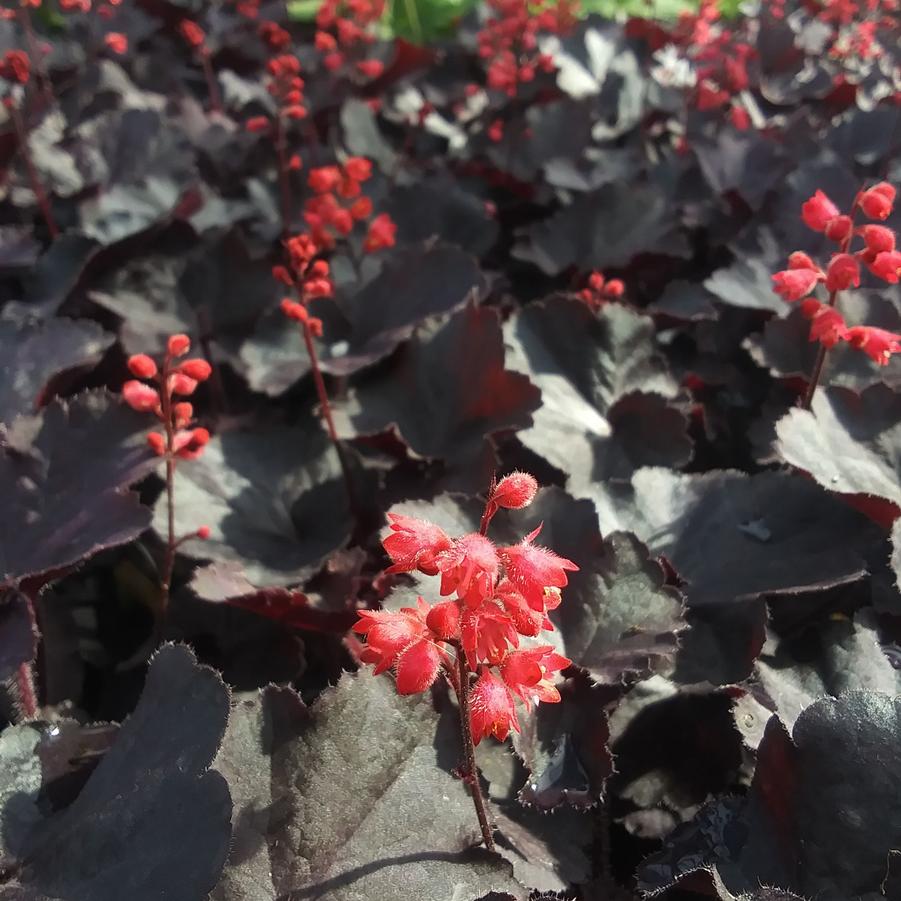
(140, 397)
(179, 345)
(878, 201)
(142, 366)
(182, 414)
(179, 383)
(203, 532)
(199, 370)
(515, 491)
(157, 443)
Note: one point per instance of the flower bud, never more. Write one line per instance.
(515, 491)
(843, 272)
(157, 443)
(179, 383)
(878, 201)
(444, 620)
(142, 366)
(878, 238)
(140, 397)
(818, 211)
(198, 369)
(203, 533)
(179, 345)
(839, 228)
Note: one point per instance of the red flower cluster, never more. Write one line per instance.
(719, 58)
(339, 203)
(345, 29)
(508, 41)
(878, 255)
(599, 290)
(286, 88)
(308, 276)
(497, 596)
(170, 381)
(15, 67)
(275, 37)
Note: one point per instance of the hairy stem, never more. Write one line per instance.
(470, 771)
(36, 186)
(326, 408)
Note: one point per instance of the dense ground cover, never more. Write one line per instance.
(295, 320)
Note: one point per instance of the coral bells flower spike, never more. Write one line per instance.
(793, 284)
(491, 708)
(532, 569)
(876, 343)
(414, 544)
(818, 212)
(878, 201)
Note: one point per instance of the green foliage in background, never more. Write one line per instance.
(423, 20)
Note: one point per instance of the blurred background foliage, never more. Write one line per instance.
(424, 20)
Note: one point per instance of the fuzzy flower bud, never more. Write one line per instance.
(140, 397)
(179, 345)
(515, 491)
(843, 272)
(198, 369)
(878, 201)
(141, 366)
(818, 211)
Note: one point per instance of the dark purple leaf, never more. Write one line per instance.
(607, 228)
(733, 537)
(849, 443)
(33, 352)
(274, 500)
(64, 475)
(446, 392)
(152, 820)
(344, 805)
(605, 387)
(805, 827)
(19, 641)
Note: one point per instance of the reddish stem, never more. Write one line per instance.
(37, 60)
(470, 771)
(27, 697)
(36, 186)
(212, 85)
(327, 414)
(820, 360)
(171, 543)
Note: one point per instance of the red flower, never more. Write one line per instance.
(469, 567)
(444, 620)
(381, 234)
(178, 345)
(414, 544)
(878, 201)
(527, 621)
(417, 667)
(189, 445)
(15, 66)
(793, 284)
(818, 211)
(192, 33)
(487, 631)
(324, 179)
(358, 168)
(527, 673)
(843, 272)
(140, 397)
(876, 343)
(826, 324)
(839, 228)
(371, 68)
(116, 42)
(388, 632)
(257, 124)
(532, 569)
(887, 266)
(878, 238)
(179, 383)
(491, 708)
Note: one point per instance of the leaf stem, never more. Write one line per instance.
(36, 186)
(470, 771)
(284, 184)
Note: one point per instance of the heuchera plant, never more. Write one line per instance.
(180, 439)
(878, 255)
(498, 596)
